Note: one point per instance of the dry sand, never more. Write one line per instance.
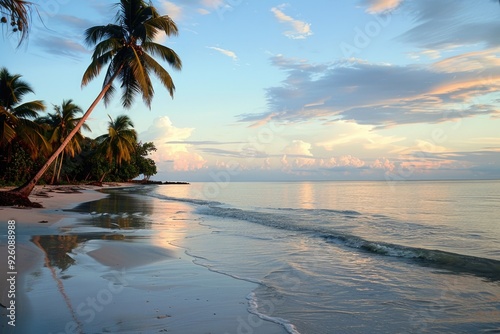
(139, 284)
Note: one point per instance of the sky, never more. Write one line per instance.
(292, 90)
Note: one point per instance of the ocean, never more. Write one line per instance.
(332, 257)
(353, 257)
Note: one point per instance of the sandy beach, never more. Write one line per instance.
(71, 277)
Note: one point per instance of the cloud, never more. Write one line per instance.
(76, 23)
(301, 155)
(384, 164)
(60, 46)
(448, 24)
(452, 164)
(203, 11)
(228, 53)
(212, 3)
(204, 142)
(350, 161)
(380, 6)
(380, 94)
(298, 147)
(300, 29)
(349, 135)
(244, 153)
(187, 9)
(171, 9)
(168, 156)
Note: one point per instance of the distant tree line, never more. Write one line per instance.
(29, 134)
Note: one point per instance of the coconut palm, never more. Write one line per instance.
(127, 46)
(16, 116)
(17, 14)
(120, 142)
(59, 125)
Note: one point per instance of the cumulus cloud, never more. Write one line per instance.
(227, 53)
(384, 164)
(168, 156)
(350, 161)
(298, 147)
(300, 154)
(299, 29)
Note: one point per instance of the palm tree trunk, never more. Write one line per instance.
(26, 189)
(54, 172)
(58, 177)
(103, 176)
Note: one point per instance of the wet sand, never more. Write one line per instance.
(104, 268)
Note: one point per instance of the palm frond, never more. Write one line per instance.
(20, 12)
(102, 33)
(29, 109)
(161, 74)
(124, 45)
(165, 53)
(94, 69)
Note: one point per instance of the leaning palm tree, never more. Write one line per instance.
(59, 125)
(127, 46)
(16, 116)
(120, 141)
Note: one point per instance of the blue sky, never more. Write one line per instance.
(295, 90)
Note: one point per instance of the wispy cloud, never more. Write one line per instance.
(380, 6)
(448, 24)
(228, 53)
(212, 3)
(204, 142)
(171, 9)
(300, 29)
(60, 46)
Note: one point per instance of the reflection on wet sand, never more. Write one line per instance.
(57, 247)
(122, 211)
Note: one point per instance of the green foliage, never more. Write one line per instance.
(90, 164)
(25, 143)
(18, 168)
(128, 46)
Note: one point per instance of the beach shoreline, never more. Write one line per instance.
(26, 222)
(134, 275)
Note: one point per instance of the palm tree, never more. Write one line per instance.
(125, 46)
(15, 116)
(120, 141)
(18, 12)
(59, 124)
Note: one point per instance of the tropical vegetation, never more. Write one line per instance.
(28, 137)
(127, 47)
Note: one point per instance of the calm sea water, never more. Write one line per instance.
(353, 257)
